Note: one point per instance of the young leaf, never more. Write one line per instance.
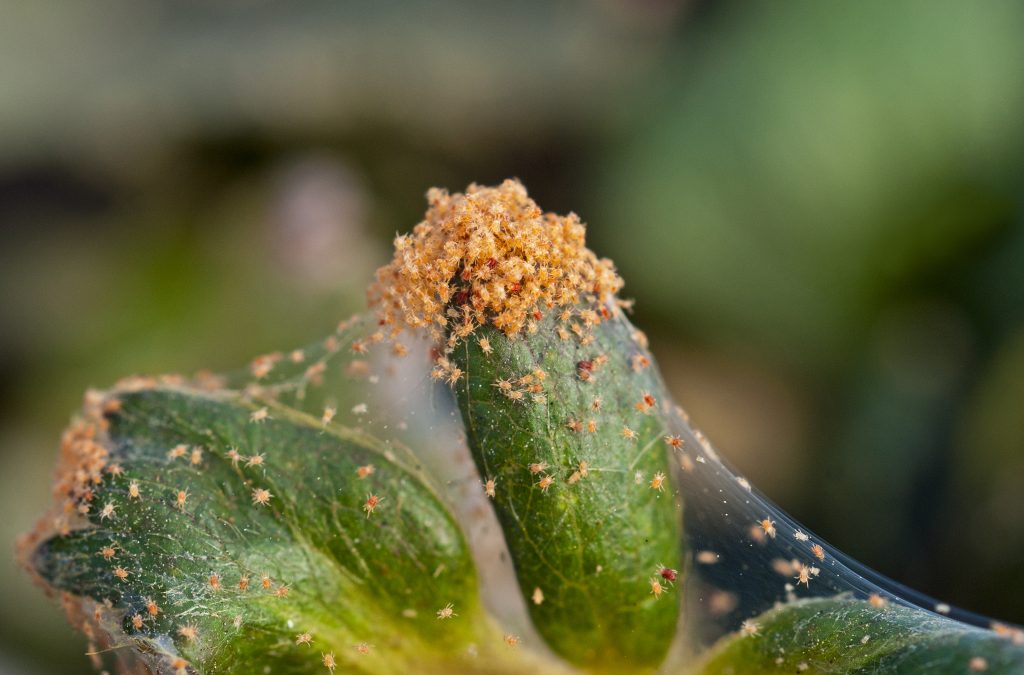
(589, 516)
(221, 536)
(855, 636)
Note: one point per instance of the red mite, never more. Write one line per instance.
(492, 263)
(668, 574)
(585, 365)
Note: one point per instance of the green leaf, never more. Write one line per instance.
(350, 578)
(853, 636)
(591, 544)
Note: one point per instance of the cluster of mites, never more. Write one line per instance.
(487, 256)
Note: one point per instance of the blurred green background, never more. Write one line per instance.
(817, 205)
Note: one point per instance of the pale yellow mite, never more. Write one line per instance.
(261, 497)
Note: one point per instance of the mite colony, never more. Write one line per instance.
(489, 255)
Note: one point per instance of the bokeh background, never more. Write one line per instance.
(817, 205)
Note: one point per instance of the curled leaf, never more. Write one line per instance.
(220, 535)
(588, 513)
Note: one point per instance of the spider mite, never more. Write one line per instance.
(877, 601)
(818, 551)
(371, 503)
(108, 511)
(803, 574)
(537, 467)
(583, 468)
(978, 664)
(446, 612)
(656, 588)
(645, 403)
(658, 482)
(674, 442)
(768, 526)
(489, 487)
(260, 415)
(639, 362)
(585, 369)
(261, 497)
(365, 471)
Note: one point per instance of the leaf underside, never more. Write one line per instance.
(311, 560)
